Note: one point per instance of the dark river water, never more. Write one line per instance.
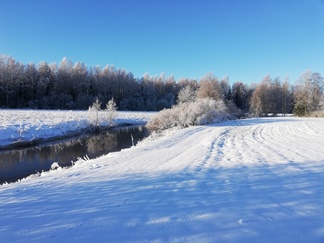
(19, 163)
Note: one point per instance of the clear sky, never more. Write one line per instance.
(243, 39)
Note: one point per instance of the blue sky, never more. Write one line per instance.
(244, 40)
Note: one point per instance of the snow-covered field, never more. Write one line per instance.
(30, 125)
(253, 180)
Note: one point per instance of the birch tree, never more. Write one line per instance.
(210, 88)
(308, 93)
(111, 110)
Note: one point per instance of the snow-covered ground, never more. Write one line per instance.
(30, 125)
(253, 180)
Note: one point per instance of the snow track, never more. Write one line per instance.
(254, 180)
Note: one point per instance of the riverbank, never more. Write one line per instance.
(68, 134)
(23, 128)
(17, 164)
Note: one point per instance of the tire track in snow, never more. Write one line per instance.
(267, 143)
(214, 151)
(173, 158)
(214, 136)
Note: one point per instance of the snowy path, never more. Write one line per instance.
(255, 180)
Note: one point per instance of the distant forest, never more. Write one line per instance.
(69, 85)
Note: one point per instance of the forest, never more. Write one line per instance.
(72, 86)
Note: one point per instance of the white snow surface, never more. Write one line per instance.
(253, 180)
(29, 125)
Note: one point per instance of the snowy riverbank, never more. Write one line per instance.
(253, 180)
(19, 127)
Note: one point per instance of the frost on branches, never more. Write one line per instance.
(98, 118)
(93, 113)
(111, 113)
(199, 112)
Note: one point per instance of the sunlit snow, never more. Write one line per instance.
(31, 125)
(253, 180)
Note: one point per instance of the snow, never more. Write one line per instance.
(32, 125)
(253, 180)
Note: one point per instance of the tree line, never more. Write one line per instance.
(69, 85)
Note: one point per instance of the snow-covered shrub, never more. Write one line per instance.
(165, 119)
(199, 112)
(55, 166)
(210, 111)
(80, 160)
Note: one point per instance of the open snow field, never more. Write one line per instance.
(30, 125)
(253, 180)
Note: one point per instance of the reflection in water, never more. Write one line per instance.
(20, 163)
(106, 141)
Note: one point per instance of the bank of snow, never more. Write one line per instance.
(25, 126)
(254, 180)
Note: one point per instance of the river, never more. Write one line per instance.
(16, 164)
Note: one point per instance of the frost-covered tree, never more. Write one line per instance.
(287, 97)
(210, 88)
(71, 85)
(225, 88)
(256, 108)
(93, 114)
(63, 84)
(186, 94)
(30, 76)
(308, 93)
(241, 95)
(271, 97)
(79, 79)
(11, 77)
(111, 110)
(149, 92)
(260, 98)
(45, 86)
(263, 100)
